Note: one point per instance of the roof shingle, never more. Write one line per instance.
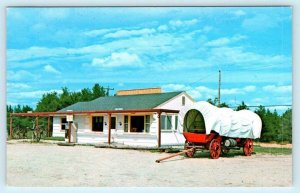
(127, 102)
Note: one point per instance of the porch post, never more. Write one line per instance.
(109, 127)
(69, 132)
(48, 129)
(159, 130)
(10, 127)
(37, 129)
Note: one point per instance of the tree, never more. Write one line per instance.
(50, 102)
(242, 106)
(98, 91)
(215, 102)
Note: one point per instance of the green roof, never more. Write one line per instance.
(126, 102)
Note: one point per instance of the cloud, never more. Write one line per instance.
(20, 75)
(176, 87)
(260, 22)
(250, 88)
(238, 13)
(54, 13)
(278, 89)
(247, 59)
(51, 69)
(128, 33)
(97, 32)
(204, 93)
(31, 94)
(182, 23)
(207, 29)
(225, 40)
(17, 86)
(162, 28)
(118, 59)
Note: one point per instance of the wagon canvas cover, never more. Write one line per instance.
(225, 121)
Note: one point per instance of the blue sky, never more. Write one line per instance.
(172, 48)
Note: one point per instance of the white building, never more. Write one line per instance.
(142, 117)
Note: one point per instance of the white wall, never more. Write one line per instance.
(176, 102)
(57, 132)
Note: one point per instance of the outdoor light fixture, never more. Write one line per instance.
(120, 123)
(105, 123)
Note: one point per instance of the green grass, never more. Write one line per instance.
(54, 138)
(272, 150)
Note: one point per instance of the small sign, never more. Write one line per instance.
(69, 118)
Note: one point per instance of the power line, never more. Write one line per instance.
(108, 89)
(265, 106)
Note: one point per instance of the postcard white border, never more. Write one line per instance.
(296, 87)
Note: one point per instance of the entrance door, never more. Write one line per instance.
(97, 123)
(137, 124)
(113, 122)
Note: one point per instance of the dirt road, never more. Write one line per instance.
(52, 165)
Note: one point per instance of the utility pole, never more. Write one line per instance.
(108, 89)
(219, 89)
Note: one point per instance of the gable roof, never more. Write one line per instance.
(126, 102)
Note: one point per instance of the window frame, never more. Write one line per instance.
(63, 125)
(165, 122)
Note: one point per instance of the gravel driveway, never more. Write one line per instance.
(53, 165)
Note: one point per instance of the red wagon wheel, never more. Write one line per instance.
(191, 153)
(215, 149)
(248, 147)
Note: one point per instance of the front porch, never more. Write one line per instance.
(120, 130)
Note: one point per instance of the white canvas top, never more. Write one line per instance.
(225, 121)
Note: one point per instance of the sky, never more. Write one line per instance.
(175, 48)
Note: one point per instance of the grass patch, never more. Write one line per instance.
(54, 138)
(272, 150)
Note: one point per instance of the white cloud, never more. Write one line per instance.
(218, 42)
(247, 59)
(31, 94)
(182, 23)
(17, 86)
(260, 22)
(207, 29)
(51, 69)
(20, 75)
(278, 89)
(162, 28)
(238, 12)
(203, 92)
(225, 40)
(250, 88)
(54, 13)
(118, 59)
(128, 33)
(97, 32)
(175, 87)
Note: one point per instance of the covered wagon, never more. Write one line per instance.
(206, 126)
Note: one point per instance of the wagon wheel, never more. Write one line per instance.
(248, 147)
(215, 149)
(191, 153)
(224, 150)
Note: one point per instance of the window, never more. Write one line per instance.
(166, 122)
(97, 123)
(183, 101)
(147, 123)
(113, 122)
(63, 122)
(176, 122)
(126, 123)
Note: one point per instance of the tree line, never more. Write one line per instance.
(50, 102)
(275, 127)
